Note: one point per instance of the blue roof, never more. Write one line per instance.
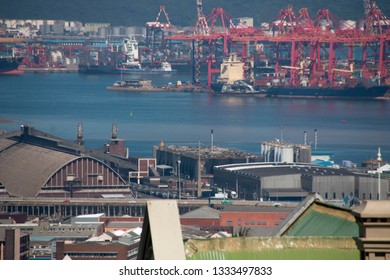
(322, 152)
(41, 238)
(322, 163)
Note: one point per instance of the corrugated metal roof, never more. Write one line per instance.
(202, 212)
(276, 169)
(24, 168)
(323, 220)
(321, 224)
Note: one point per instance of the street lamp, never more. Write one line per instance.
(178, 171)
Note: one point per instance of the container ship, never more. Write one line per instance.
(269, 84)
(355, 92)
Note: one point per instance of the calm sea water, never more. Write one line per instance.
(56, 103)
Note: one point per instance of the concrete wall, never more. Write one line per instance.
(368, 187)
(334, 187)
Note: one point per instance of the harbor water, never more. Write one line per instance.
(55, 103)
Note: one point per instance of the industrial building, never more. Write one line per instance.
(278, 151)
(292, 182)
(36, 164)
(193, 159)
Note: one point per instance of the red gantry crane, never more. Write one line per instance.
(323, 51)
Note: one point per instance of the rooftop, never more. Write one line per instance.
(206, 152)
(262, 169)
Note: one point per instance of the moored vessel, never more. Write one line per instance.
(165, 68)
(10, 66)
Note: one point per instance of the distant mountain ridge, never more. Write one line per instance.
(181, 12)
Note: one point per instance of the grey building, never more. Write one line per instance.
(191, 157)
(292, 182)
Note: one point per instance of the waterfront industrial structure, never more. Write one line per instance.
(292, 51)
(198, 158)
(293, 181)
(278, 151)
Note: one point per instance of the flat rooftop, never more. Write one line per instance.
(206, 152)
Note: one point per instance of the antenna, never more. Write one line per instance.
(281, 134)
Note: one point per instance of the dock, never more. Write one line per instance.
(147, 86)
(50, 70)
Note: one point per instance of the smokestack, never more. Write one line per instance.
(304, 138)
(315, 139)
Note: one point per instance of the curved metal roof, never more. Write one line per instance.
(24, 168)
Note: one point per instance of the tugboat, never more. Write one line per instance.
(239, 87)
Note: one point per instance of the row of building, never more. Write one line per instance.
(313, 227)
(36, 164)
(29, 28)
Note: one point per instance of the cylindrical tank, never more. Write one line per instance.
(130, 31)
(287, 154)
(116, 30)
(103, 32)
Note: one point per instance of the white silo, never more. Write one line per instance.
(287, 154)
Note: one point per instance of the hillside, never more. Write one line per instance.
(181, 12)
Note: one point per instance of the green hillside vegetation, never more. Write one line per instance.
(181, 13)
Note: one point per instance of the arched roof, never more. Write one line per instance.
(25, 168)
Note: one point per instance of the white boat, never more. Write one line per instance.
(165, 68)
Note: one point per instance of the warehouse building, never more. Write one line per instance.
(36, 164)
(192, 159)
(292, 182)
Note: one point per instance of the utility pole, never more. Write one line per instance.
(178, 171)
(379, 172)
(199, 173)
